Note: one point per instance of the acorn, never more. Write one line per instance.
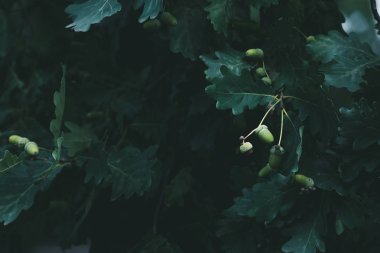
(245, 147)
(275, 156)
(154, 24)
(304, 180)
(31, 148)
(13, 139)
(264, 134)
(310, 38)
(265, 170)
(261, 72)
(168, 19)
(256, 53)
(266, 80)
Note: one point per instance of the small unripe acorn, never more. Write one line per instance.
(168, 19)
(256, 53)
(31, 148)
(154, 24)
(245, 147)
(266, 80)
(261, 72)
(13, 139)
(304, 180)
(275, 156)
(310, 38)
(265, 170)
(264, 134)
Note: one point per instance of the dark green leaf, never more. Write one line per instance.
(238, 92)
(91, 12)
(78, 139)
(20, 180)
(230, 58)
(188, 37)
(306, 236)
(264, 200)
(151, 9)
(59, 103)
(179, 187)
(218, 14)
(344, 59)
(131, 171)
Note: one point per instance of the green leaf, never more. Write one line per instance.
(78, 139)
(131, 171)
(91, 12)
(179, 187)
(263, 3)
(230, 58)
(264, 200)
(59, 103)
(239, 234)
(361, 124)
(306, 236)
(151, 9)
(20, 180)
(344, 59)
(238, 92)
(293, 147)
(188, 37)
(218, 14)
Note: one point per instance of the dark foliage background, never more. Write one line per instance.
(143, 162)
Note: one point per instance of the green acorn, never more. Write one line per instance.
(261, 72)
(13, 139)
(304, 180)
(275, 156)
(264, 134)
(154, 24)
(266, 80)
(265, 170)
(245, 147)
(310, 38)
(18, 140)
(256, 53)
(168, 19)
(31, 148)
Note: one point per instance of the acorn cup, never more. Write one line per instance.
(264, 134)
(265, 170)
(154, 24)
(275, 156)
(255, 53)
(310, 39)
(304, 180)
(246, 147)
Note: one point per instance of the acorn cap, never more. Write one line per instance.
(22, 141)
(277, 150)
(245, 147)
(261, 71)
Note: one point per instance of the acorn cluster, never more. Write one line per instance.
(30, 147)
(261, 72)
(165, 18)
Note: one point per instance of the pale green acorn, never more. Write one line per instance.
(261, 72)
(256, 53)
(245, 147)
(31, 148)
(266, 80)
(304, 180)
(265, 170)
(13, 139)
(264, 134)
(275, 156)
